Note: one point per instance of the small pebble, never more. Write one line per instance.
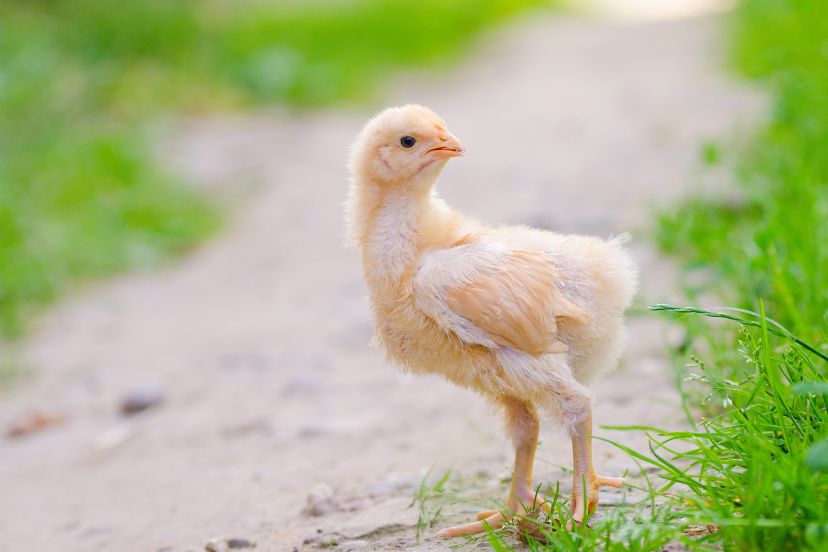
(111, 438)
(223, 545)
(320, 501)
(141, 398)
(240, 543)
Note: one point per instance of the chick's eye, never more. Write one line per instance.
(408, 141)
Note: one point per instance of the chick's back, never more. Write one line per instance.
(600, 276)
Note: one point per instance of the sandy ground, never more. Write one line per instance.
(259, 341)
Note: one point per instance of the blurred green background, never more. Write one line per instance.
(85, 83)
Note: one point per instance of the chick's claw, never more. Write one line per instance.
(576, 503)
(495, 521)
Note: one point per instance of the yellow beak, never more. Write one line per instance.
(449, 146)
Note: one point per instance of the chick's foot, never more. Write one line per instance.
(496, 518)
(582, 508)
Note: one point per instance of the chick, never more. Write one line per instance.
(525, 317)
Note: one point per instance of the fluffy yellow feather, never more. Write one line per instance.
(523, 316)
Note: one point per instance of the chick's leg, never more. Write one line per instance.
(522, 424)
(585, 480)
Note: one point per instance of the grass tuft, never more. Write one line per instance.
(753, 465)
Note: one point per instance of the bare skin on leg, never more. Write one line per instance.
(584, 476)
(523, 426)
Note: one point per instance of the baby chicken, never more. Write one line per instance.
(525, 317)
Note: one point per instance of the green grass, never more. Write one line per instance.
(771, 244)
(753, 472)
(754, 466)
(84, 85)
(644, 526)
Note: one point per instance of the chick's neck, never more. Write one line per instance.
(393, 231)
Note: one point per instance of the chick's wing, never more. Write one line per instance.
(495, 296)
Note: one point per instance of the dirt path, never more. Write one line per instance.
(258, 341)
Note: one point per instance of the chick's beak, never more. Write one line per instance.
(447, 146)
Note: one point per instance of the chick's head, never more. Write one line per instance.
(403, 146)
